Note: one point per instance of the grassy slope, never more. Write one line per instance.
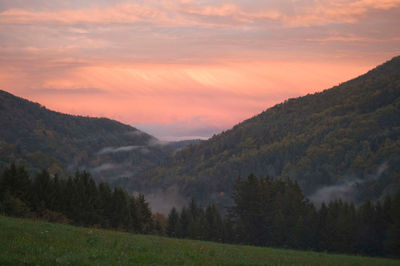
(27, 242)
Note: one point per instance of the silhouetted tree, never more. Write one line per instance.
(173, 226)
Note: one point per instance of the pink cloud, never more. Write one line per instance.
(180, 13)
(225, 93)
(352, 39)
(158, 62)
(326, 11)
(119, 14)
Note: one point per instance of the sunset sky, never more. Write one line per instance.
(187, 69)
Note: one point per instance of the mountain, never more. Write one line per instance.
(39, 138)
(343, 141)
(180, 144)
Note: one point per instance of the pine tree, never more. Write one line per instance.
(173, 226)
(105, 204)
(42, 191)
(16, 181)
(121, 218)
(185, 219)
(145, 215)
(392, 243)
(366, 232)
(213, 224)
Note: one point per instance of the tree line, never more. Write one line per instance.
(275, 213)
(267, 211)
(349, 130)
(77, 200)
(199, 223)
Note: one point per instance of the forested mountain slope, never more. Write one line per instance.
(344, 138)
(39, 138)
(342, 141)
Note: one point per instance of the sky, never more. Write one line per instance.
(187, 69)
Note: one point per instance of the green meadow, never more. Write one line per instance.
(31, 242)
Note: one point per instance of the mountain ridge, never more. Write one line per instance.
(340, 136)
(322, 139)
(41, 138)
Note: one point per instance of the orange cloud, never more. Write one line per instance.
(225, 93)
(120, 14)
(180, 13)
(326, 11)
(160, 62)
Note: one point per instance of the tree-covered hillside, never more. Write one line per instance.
(346, 137)
(36, 137)
(342, 142)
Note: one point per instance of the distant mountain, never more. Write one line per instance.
(343, 142)
(180, 144)
(39, 138)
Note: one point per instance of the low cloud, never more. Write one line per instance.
(104, 167)
(144, 149)
(156, 142)
(163, 201)
(196, 127)
(118, 149)
(346, 190)
(135, 133)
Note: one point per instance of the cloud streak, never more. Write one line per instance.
(158, 63)
(71, 91)
(118, 149)
(346, 189)
(178, 13)
(118, 14)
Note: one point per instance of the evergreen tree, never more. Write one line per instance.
(267, 211)
(105, 204)
(392, 243)
(16, 181)
(185, 220)
(196, 221)
(144, 215)
(43, 191)
(173, 227)
(367, 239)
(121, 217)
(213, 224)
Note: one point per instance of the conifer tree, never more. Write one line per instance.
(173, 226)
(145, 216)
(121, 217)
(16, 181)
(392, 243)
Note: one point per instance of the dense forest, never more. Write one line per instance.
(346, 134)
(78, 200)
(266, 212)
(345, 138)
(39, 138)
(274, 213)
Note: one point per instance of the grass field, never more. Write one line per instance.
(28, 242)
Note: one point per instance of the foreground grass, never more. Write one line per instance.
(27, 242)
